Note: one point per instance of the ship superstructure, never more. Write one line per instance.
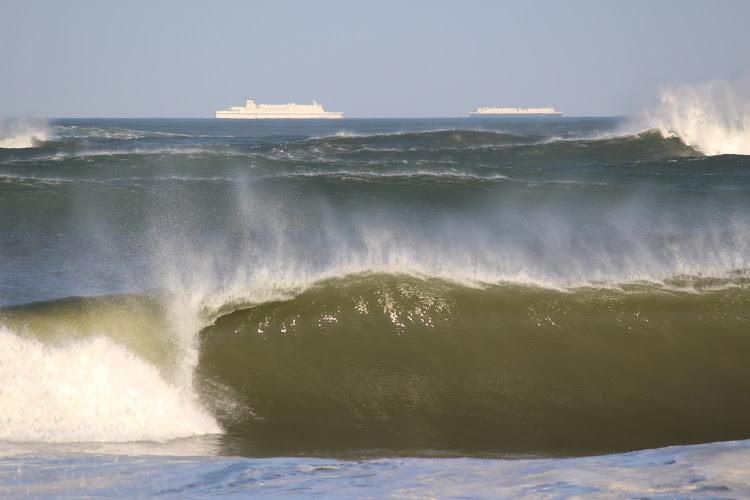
(277, 111)
(487, 111)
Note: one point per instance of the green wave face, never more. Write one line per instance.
(397, 363)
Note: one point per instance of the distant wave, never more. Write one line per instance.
(409, 141)
(431, 147)
(457, 146)
(23, 133)
(78, 131)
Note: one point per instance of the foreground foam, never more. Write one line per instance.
(705, 471)
(90, 391)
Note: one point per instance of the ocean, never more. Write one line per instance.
(374, 308)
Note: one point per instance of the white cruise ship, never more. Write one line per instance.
(277, 111)
(487, 111)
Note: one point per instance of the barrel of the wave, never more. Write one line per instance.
(407, 364)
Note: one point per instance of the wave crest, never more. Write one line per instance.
(713, 117)
(23, 133)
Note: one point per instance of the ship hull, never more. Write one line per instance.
(291, 111)
(514, 115)
(514, 112)
(255, 116)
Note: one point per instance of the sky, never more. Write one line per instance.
(368, 59)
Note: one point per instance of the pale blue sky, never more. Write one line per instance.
(186, 58)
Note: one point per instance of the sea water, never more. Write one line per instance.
(531, 308)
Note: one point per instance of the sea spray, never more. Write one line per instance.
(713, 117)
(23, 132)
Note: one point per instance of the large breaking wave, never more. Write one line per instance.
(472, 291)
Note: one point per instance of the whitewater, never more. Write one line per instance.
(533, 308)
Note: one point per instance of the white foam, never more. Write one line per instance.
(90, 391)
(714, 470)
(713, 117)
(22, 133)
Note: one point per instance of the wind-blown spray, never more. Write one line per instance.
(23, 133)
(713, 117)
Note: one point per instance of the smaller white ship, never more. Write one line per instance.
(252, 111)
(487, 111)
